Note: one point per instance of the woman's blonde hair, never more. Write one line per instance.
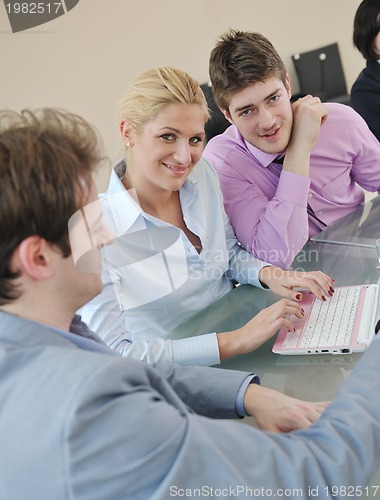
(153, 90)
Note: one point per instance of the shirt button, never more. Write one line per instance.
(310, 195)
(203, 268)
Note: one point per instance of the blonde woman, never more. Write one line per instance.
(175, 252)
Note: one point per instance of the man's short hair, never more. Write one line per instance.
(47, 159)
(241, 59)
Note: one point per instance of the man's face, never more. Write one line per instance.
(88, 233)
(262, 113)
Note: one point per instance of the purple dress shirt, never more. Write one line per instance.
(274, 212)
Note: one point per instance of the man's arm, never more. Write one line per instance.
(269, 218)
(213, 392)
(132, 422)
(272, 227)
(309, 114)
(207, 391)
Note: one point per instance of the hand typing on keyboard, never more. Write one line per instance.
(259, 329)
(283, 282)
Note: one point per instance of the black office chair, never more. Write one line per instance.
(320, 73)
(217, 124)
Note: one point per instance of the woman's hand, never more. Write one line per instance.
(259, 329)
(282, 282)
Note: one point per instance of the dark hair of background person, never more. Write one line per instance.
(366, 28)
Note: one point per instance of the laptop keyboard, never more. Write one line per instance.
(331, 322)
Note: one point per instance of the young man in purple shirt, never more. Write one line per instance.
(287, 170)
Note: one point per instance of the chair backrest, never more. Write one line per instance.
(217, 124)
(320, 73)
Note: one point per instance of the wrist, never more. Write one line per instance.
(251, 398)
(228, 344)
(239, 405)
(265, 275)
(297, 162)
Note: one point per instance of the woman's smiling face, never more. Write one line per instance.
(169, 147)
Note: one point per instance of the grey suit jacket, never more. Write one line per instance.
(76, 424)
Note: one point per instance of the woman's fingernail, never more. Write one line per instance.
(323, 298)
(298, 296)
(332, 289)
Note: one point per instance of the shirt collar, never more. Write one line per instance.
(123, 207)
(124, 210)
(265, 159)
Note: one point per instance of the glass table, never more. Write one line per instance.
(312, 377)
(359, 228)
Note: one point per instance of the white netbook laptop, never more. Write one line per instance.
(345, 323)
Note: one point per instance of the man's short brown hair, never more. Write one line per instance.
(241, 59)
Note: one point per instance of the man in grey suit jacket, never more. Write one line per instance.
(78, 421)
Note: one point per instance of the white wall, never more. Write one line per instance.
(84, 60)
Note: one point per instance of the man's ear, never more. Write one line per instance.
(287, 86)
(227, 115)
(34, 258)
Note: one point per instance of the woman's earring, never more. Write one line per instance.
(129, 144)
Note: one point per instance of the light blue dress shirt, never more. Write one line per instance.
(154, 279)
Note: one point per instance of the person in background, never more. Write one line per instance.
(80, 421)
(287, 170)
(365, 92)
(174, 241)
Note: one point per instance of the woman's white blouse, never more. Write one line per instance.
(154, 279)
